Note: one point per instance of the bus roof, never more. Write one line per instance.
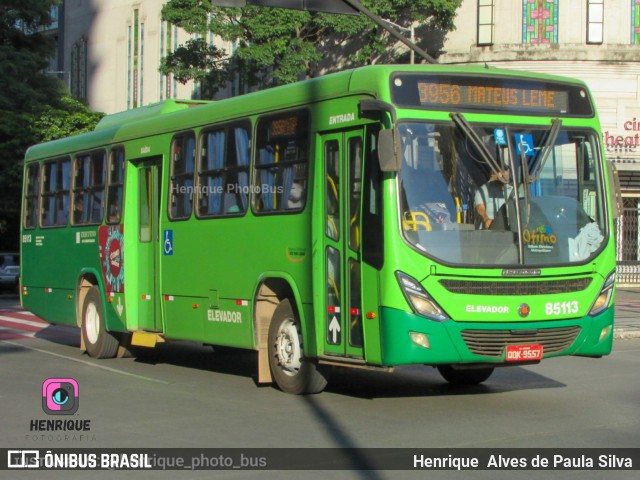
(176, 115)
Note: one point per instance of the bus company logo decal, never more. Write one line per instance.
(521, 272)
(524, 310)
(296, 255)
(487, 309)
(540, 239)
(343, 118)
(111, 239)
(86, 237)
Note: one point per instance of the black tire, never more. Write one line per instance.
(291, 371)
(464, 377)
(97, 340)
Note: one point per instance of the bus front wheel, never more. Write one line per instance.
(97, 340)
(464, 377)
(292, 372)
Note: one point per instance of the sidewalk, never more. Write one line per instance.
(627, 317)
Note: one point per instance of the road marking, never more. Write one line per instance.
(23, 325)
(85, 362)
(20, 321)
(15, 328)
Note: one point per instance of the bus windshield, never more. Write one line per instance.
(501, 195)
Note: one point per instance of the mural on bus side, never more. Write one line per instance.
(111, 238)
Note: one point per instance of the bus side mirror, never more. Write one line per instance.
(616, 196)
(389, 153)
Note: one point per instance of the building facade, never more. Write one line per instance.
(111, 52)
(597, 41)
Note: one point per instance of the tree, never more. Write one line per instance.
(34, 107)
(276, 46)
(67, 116)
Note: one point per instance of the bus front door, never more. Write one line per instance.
(343, 329)
(149, 181)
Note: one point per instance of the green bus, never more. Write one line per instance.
(452, 216)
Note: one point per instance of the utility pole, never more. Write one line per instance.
(412, 35)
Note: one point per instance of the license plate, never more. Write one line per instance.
(523, 353)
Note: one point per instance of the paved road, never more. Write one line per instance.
(186, 395)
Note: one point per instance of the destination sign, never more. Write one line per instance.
(508, 94)
(284, 127)
(438, 93)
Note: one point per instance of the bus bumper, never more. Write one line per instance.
(586, 336)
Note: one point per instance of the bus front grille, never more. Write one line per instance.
(491, 343)
(510, 288)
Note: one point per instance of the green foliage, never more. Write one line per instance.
(199, 61)
(66, 117)
(24, 51)
(34, 107)
(276, 46)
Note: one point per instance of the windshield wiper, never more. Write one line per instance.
(516, 188)
(547, 147)
(477, 142)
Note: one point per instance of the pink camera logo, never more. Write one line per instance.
(60, 396)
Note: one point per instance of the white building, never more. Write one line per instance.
(597, 41)
(112, 50)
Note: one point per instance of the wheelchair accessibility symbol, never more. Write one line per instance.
(168, 242)
(524, 143)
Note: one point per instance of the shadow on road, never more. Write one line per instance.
(424, 381)
(226, 361)
(407, 381)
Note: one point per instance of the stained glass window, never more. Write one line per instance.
(635, 22)
(539, 21)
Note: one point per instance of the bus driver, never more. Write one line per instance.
(490, 197)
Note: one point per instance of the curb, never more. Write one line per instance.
(625, 333)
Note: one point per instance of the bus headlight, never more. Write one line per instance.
(604, 297)
(419, 300)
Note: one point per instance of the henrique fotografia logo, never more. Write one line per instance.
(60, 396)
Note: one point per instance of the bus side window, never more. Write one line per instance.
(55, 193)
(223, 171)
(31, 192)
(211, 173)
(88, 188)
(115, 186)
(183, 154)
(282, 152)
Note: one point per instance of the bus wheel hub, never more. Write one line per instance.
(288, 348)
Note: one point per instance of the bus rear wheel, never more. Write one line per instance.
(292, 372)
(97, 340)
(465, 377)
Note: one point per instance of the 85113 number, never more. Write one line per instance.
(561, 308)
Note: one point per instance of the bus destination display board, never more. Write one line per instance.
(447, 93)
(507, 94)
